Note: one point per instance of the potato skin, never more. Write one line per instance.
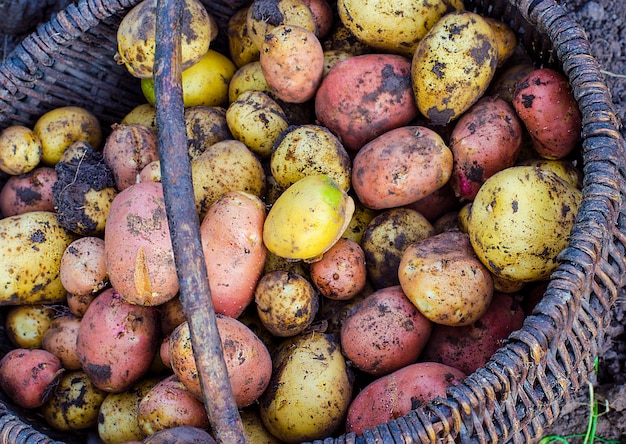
(364, 96)
(401, 166)
(341, 273)
(31, 191)
(60, 339)
(384, 332)
(83, 266)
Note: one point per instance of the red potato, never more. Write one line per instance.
(437, 203)
(384, 332)
(31, 191)
(138, 247)
(292, 61)
(545, 104)
(396, 394)
(341, 273)
(234, 252)
(171, 314)
(78, 303)
(401, 166)
(365, 96)
(83, 266)
(117, 341)
(61, 340)
(485, 140)
(28, 377)
(322, 15)
(470, 347)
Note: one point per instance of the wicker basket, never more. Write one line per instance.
(69, 60)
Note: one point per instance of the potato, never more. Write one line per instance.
(310, 389)
(286, 303)
(20, 150)
(232, 241)
(248, 361)
(396, 394)
(322, 16)
(138, 247)
(171, 315)
(254, 429)
(447, 222)
(31, 191)
(117, 419)
(60, 340)
(29, 376)
(360, 218)
(274, 262)
(364, 96)
(393, 27)
(485, 140)
(78, 304)
(342, 39)
(437, 203)
(26, 325)
(225, 166)
(453, 65)
(75, 403)
(401, 166)
(116, 341)
(545, 103)
(136, 36)
(504, 83)
(470, 347)
(332, 57)
(58, 128)
(506, 40)
(32, 247)
(292, 60)
(386, 237)
(256, 120)
(151, 172)
(181, 434)
(247, 78)
(341, 272)
(520, 220)
(205, 126)
(83, 266)
(384, 332)
(306, 150)
(241, 48)
(127, 150)
(563, 168)
(143, 114)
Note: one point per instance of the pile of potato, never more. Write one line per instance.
(382, 198)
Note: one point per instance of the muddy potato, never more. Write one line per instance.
(437, 203)
(506, 40)
(360, 218)
(273, 262)
(205, 125)
(241, 48)
(504, 83)
(453, 65)
(563, 168)
(286, 303)
(292, 60)
(333, 56)
(32, 247)
(401, 166)
(382, 27)
(447, 222)
(26, 325)
(29, 377)
(143, 114)
(306, 150)
(225, 166)
(136, 36)
(83, 266)
(386, 237)
(384, 332)
(247, 78)
(322, 16)
(75, 403)
(310, 390)
(20, 150)
(445, 280)
(520, 220)
(256, 120)
(60, 340)
(78, 304)
(254, 429)
(182, 434)
(341, 272)
(31, 191)
(171, 315)
(58, 128)
(342, 39)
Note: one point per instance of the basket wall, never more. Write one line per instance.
(69, 60)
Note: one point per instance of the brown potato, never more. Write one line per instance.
(83, 266)
(437, 203)
(28, 192)
(341, 272)
(78, 304)
(60, 339)
(205, 126)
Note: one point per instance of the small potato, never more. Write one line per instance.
(445, 280)
(386, 237)
(506, 40)
(254, 429)
(384, 332)
(20, 150)
(504, 83)
(241, 48)
(171, 315)
(127, 150)
(401, 166)
(286, 303)
(83, 266)
(453, 65)
(437, 203)
(26, 325)
(322, 15)
(364, 96)
(306, 150)
(205, 126)
(28, 192)
(332, 57)
(292, 60)
(78, 304)
(232, 241)
(396, 394)
(29, 377)
(256, 120)
(545, 103)
(60, 340)
(360, 218)
(58, 128)
(341, 272)
(151, 172)
(247, 78)
(342, 39)
(180, 435)
(143, 114)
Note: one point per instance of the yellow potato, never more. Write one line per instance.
(241, 47)
(506, 40)
(248, 77)
(26, 325)
(144, 114)
(20, 150)
(205, 126)
(453, 65)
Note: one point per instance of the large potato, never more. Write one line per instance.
(520, 220)
(453, 65)
(30, 259)
(401, 166)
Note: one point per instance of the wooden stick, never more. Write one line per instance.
(184, 227)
